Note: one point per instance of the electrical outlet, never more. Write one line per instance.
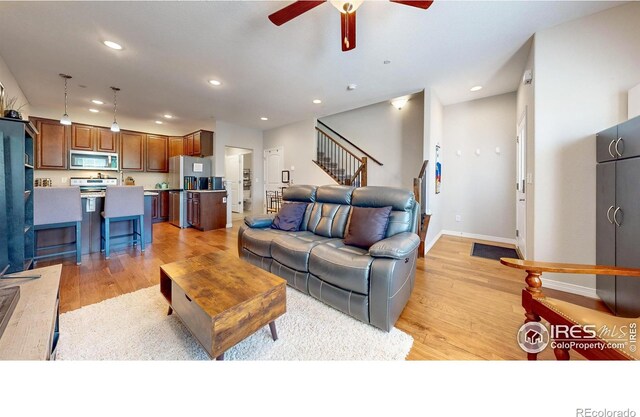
(458, 218)
(64, 180)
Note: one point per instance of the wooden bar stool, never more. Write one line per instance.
(55, 208)
(122, 203)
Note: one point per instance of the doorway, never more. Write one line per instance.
(238, 173)
(521, 186)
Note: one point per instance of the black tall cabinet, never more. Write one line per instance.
(618, 214)
(16, 201)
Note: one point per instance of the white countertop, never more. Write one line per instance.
(207, 191)
(100, 194)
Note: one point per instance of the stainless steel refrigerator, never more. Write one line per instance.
(179, 168)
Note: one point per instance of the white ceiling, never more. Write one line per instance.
(173, 48)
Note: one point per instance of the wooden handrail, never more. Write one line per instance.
(541, 267)
(423, 168)
(348, 141)
(354, 176)
(339, 145)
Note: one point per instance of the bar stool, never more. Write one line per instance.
(122, 203)
(55, 208)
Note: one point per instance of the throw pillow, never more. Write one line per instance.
(289, 217)
(367, 226)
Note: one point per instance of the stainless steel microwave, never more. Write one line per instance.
(95, 161)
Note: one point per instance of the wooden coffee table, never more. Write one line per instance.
(221, 299)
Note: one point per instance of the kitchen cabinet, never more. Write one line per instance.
(175, 146)
(93, 138)
(82, 137)
(132, 151)
(618, 215)
(51, 144)
(207, 210)
(160, 207)
(188, 145)
(157, 153)
(199, 143)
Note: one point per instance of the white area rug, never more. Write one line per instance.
(135, 327)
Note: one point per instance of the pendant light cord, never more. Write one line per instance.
(65, 95)
(115, 104)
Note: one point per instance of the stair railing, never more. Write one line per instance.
(420, 192)
(342, 165)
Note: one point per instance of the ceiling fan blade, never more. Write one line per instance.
(419, 4)
(348, 30)
(292, 11)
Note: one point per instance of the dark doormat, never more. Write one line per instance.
(493, 252)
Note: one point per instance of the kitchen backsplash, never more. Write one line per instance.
(146, 179)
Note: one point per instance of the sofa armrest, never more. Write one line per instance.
(396, 247)
(261, 221)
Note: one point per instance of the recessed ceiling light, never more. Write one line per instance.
(97, 102)
(158, 122)
(317, 101)
(264, 118)
(113, 45)
(168, 116)
(352, 87)
(476, 88)
(214, 82)
(386, 62)
(94, 110)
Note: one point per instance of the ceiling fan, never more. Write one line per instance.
(347, 15)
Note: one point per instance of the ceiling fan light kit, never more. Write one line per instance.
(347, 11)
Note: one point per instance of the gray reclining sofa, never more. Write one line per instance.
(371, 285)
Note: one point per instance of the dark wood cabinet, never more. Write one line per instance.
(618, 215)
(188, 145)
(157, 153)
(51, 144)
(197, 145)
(132, 151)
(82, 137)
(160, 207)
(105, 140)
(207, 210)
(175, 146)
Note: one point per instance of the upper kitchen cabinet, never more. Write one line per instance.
(51, 144)
(93, 138)
(175, 146)
(132, 151)
(199, 143)
(157, 153)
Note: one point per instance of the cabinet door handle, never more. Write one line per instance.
(611, 144)
(615, 216)
(608, 213)
(616, 147)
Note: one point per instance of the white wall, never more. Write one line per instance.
(584, 69)
(634, 102)
(432, 136)
(392, 136)
(298, 141)
(480, 188)
(228, 134)
(526, 102)
(12, 89)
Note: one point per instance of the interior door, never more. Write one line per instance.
(521, 176)
(273, 166)
(233, 168)
(627, 220)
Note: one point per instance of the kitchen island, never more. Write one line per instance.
(92, 206)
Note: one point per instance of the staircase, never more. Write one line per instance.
(344, 166)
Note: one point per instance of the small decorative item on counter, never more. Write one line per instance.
(164, 184)
(129, 181)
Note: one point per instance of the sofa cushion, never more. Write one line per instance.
(367, 226)
(259, 241)
(289, 217)
(329, 219)
(293, 251)
(346, 267)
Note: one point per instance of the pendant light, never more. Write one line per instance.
(65, 120)
(114, 125)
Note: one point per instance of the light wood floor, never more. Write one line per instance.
(462, 307)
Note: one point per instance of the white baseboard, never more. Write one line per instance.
(570, 288)
(229, 225)
(429, 245)
(480, 237)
